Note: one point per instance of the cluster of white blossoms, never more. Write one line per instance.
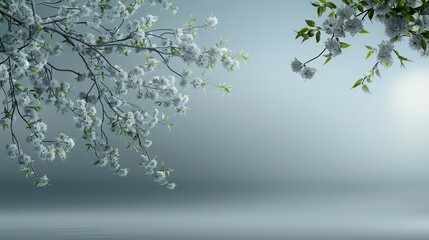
(409, 19)
(27, 107)
(150, 166)
(97, 33)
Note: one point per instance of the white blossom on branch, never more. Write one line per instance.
(405, 19)
(96, 32)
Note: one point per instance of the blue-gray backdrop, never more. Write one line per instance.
(278, 159)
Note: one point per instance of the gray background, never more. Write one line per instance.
(277, 159)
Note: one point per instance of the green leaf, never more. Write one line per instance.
(344, 45)
(310, 23)
(301, 32)
(360, 8)
(357, 83)
(371, 14)
(164, 117)
(365, 88)
(425, 34)
(305, 37)
(330, 5)
(328, 58)
(368, 54)
(424, 44)
(318, 36)
(378, 73)
(321, 10)
(401, 58)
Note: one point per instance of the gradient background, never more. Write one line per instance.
(278, 159)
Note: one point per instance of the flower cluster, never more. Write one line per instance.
(96, 32)
(150, 166)
(401, 19)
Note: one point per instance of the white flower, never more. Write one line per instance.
(230, 64)
(47, 153)
(330, 24)
(296, 65)
(92, 110)
(415, 42)
(344, 11)
(353, 26)
(147, 143)
(197, 82)
(396, 27)
(424, 22)
(159, 176)
(120, 11)
(178, 33)
(150, 172)
(333, 47)
(89, 38)
(171, 186)
(64, 142)
(3, 72)
(122, 172)
(384, 55)
(180, 100)
(308, 72)
(42, 181)
(411, 3)
(40, 127)
(203, 61)
(212, 21)
(190, 51)
(25, 101)
(12, 150)
(94, 21)
(151, 20)
(381, 10)
(24, 160)
(166, 4)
